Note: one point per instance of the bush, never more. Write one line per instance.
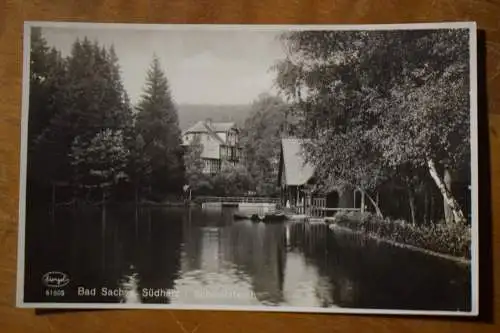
(452, 239)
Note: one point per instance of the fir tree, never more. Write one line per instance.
(47, 82)
(158, 125)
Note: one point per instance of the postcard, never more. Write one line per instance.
(301, 168)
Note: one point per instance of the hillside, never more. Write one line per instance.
(189, 114)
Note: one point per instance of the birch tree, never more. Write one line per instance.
(373, 101)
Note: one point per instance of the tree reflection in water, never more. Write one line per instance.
(204, 257)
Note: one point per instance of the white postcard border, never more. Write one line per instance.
(252, 27)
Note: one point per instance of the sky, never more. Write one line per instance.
(202, 66)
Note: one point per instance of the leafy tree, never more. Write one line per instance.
(232, 180)
(436, 135)
(158, 125)
(100, 161)
(261, 138)
(374, 101)
(90, 102)
(194, 166)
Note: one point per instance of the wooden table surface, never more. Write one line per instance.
(12, 14)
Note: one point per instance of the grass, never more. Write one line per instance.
(450, 239)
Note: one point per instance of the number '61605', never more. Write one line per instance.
(54, 292)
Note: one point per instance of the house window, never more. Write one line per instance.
(232, 154)
(239, 154)
(211, 166)
(223, 151)
(231, 138)
(214, 166)
(206, 166)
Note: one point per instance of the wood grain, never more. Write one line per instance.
(14, 12)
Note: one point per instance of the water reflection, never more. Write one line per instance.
(194, 256)
(130, 286)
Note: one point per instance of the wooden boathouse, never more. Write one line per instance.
(300, 191)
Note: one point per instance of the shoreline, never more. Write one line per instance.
(458, 260)
(168, 204)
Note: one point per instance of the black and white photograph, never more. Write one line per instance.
(298, 168)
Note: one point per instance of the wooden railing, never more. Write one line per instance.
(204, 199)
(321, 211)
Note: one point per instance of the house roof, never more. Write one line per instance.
(222, 127)
(211, 128)
(204, 126)
(297, 170)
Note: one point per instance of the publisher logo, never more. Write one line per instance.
(55, 279)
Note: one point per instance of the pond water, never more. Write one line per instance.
(194, 256)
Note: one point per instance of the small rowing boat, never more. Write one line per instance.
(267, 218)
